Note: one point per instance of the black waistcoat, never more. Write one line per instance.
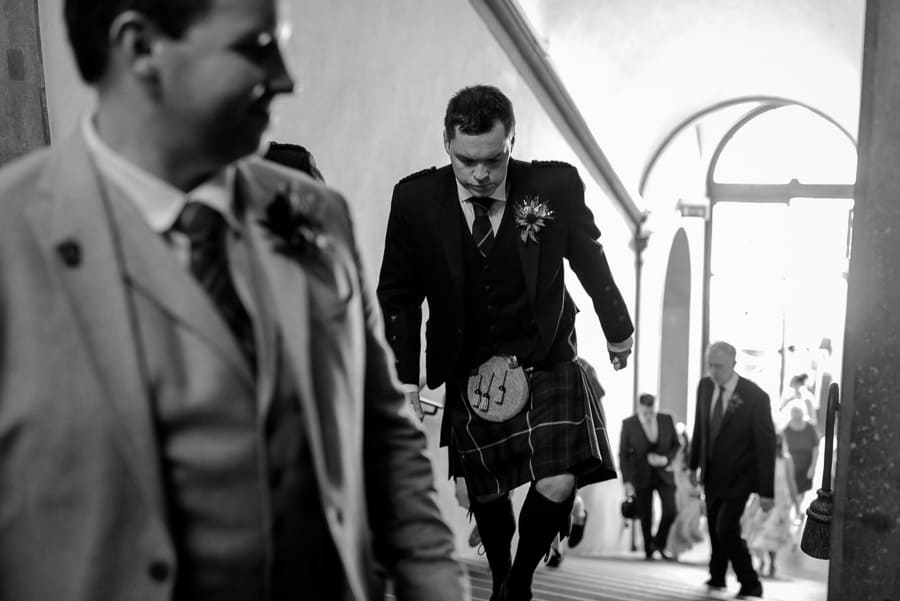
(499, 318)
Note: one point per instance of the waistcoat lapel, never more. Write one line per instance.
(155, 272)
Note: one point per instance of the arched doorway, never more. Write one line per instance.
(780, 187)
(676, 319)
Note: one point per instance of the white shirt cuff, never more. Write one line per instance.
(409, 388)
(620, 347)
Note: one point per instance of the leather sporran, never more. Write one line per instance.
(498, 389)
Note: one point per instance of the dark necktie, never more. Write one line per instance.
(715, 422)
(205, 228)
(482, 231)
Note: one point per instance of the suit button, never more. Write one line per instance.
(159, 570)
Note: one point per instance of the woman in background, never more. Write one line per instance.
(802, 441)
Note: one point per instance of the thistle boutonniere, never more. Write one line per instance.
(291, 218)
(532, 215)
(734, 403)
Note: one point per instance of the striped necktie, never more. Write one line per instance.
(482, 231)
(205, 228)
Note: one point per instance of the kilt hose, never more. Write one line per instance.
(562, 429)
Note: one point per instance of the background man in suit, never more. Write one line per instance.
(734, 447)
(167, 430)
(483, 240)
(295, 156)
(647, 447)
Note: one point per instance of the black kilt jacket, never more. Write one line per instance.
(423, 260)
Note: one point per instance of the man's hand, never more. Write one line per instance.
(629, 489)
(462, 492)
(412, 397)
(619, 359)
(766, 503)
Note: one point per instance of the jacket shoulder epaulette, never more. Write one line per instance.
(552, 164)
(417, 174)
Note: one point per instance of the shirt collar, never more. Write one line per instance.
(730, 385)
(498, 194)
(158, 201)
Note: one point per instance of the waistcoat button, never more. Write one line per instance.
(159, 570)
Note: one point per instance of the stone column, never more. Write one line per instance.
(865, 543)
(23, 104)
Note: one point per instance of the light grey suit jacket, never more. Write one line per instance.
(82, 506)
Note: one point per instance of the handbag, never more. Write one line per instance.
(498, 389)
(629, 508)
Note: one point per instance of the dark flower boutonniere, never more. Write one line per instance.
(734, 403)
(290, 218)
(532, 215)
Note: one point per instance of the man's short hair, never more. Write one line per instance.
(475, 109)
(88, 23)
(723, 346)
(295, 157)
(647, 400)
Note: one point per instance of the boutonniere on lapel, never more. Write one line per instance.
(291, 218)
(532, 215)
(734, 403)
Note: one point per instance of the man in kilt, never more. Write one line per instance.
(483, 240)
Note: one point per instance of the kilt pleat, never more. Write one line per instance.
(562, 429)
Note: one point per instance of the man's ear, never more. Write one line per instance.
(446, 142)
(132, 39)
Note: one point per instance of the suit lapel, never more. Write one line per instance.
(530, 253)
(639, 429)
(288, 286)
(451, 237)
(73, 216)
(705, 408)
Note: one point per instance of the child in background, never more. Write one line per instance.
(767, 533)
(686, 530)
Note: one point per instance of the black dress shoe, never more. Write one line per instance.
(555, 559)
(508, 593)
(749, 591)
(715, 585)
(576, 533)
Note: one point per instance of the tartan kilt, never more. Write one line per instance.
(561, 429)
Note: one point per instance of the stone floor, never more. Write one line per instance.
(628, 577)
